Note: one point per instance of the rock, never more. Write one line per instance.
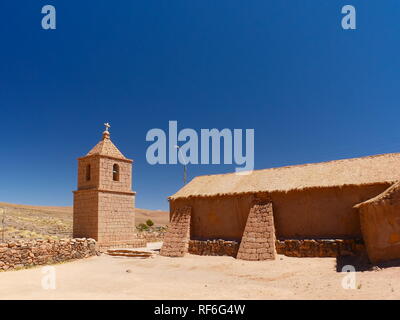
(38, 252)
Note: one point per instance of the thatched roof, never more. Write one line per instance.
(390, 195)
(383, 168)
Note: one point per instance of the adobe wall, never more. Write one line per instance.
(312, 213)
(116, 220)
(106, 175)
(321, 213)
(15, 255)
(94, 163)
(101, 177)
(216, 218)
(380, 224)
(85, 223)
(106, 217)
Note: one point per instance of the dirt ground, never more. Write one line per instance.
(199, 277)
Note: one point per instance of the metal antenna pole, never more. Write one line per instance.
(184, 165)
(184, 174)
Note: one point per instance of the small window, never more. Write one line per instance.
(116, 172)
(88, 172)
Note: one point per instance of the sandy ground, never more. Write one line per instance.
(199, 277)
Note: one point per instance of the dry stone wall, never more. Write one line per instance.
(176, 240)
(320, 247)
(214, 247)
(15, 255)
(291, 248)
(258, 241)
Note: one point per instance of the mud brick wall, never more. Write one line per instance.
(101, 173)
(15, 255)
(176, 240)
(85, 218)
(320, 247)
(214, 247)
(258, 241)
(93, 182)
(107, 217)
(115, 219)
(106, 175)
(132, 243)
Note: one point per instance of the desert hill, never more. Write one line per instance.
(25, 221)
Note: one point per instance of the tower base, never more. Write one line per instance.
(136, 243)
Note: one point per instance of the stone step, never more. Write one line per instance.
(129, 253)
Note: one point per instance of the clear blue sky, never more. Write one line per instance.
(311, 90)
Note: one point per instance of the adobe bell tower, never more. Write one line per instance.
(104, 202)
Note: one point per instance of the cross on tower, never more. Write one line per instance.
(107, 126)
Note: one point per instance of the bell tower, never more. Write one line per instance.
(104, 202)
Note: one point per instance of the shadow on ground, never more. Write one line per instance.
(362, 263)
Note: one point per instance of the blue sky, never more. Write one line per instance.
(311, 90)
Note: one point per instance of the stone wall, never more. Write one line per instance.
(214, 247)
(106, 217)
(84, 164)
(258, 241)
(85, 218)
(15, 255)
(292, 248)
(116, 224)
(319, 247)
(106, 181)
(155, 236)
(176, 241)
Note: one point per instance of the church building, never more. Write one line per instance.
(104, 202)
(325, 209)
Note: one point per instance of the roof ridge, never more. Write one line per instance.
(371, 169)
(306, 164)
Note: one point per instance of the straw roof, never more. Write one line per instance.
(383, 168)
(390, 195)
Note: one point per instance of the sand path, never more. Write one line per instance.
(199, 277)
